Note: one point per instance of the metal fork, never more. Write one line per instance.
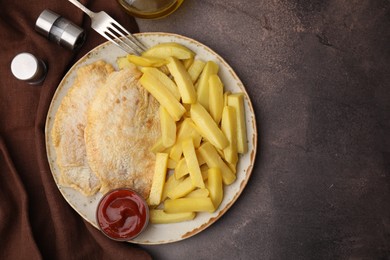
(110, 29)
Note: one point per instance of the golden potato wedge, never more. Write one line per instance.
(169, 185)
(182, 189)
(146, 61)
(164, 79)
(212, 158)
(215, 186)
(207, 126)
(198, 193)
(192, 163)
(203, 83)
(196, 69)
(169, 49)
(188, 62)
(237, 101)
(229, 128)
(183, 80)
(168, 128)
(160, 172)
(158, 216)
(181, 169)
(189, 205)
(215, 97)
(163, 96)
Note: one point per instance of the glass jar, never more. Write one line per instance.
(150, 9)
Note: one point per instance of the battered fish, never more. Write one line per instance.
(68, 128)
(123, 124)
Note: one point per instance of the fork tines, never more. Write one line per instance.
(117, 34)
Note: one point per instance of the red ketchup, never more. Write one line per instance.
(122, 214)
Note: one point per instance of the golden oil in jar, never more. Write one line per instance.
(150, 9)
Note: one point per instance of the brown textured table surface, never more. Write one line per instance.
(318, 74)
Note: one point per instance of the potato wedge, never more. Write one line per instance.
(207, 126)
(168, 128)
(160, 172)
(158, 216)
(215, 186)
(146, 61)
(181, 169)
(169, 49)
(215, 98)
(164, 79)
(163, 96)
(212, 158)
(189, 205)
(192, 163)
(203, 83)
(169, 185)
(198, 193)
(188, 62)
(237, 101)
(229, 128)
(186, 130)
(183, 80)
(196, 69)
(182, 189)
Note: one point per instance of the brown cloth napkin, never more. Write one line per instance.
(35, 220)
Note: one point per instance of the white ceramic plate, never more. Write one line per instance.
(158, 233)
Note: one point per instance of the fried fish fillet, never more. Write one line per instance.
(68, 128)
(122, 125)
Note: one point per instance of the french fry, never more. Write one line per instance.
(189, 205)
(163, 96)
(169, 185)
(192, 163)
(215, 98)
(160, 172)
(203, 83)
(207, 126)
(146, 61)
(182, 189)
(186, 130)
(196, 69)
(188, 62)
(181, 169)
(171, 164)
(198, 193)
(215, 186)
(229, 128)
(168, 128)
(164, 79)
(212, 158)
(169, 49)
(158, 216)
(237, 101)
(183, 80)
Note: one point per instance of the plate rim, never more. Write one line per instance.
(254, 141)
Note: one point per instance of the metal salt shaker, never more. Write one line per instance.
(26, 67)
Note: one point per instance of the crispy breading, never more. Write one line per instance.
(69, 124)
(122, 126)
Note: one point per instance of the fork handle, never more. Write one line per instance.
(82, 7)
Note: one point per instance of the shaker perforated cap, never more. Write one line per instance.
(60, 30)
(28, 68)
